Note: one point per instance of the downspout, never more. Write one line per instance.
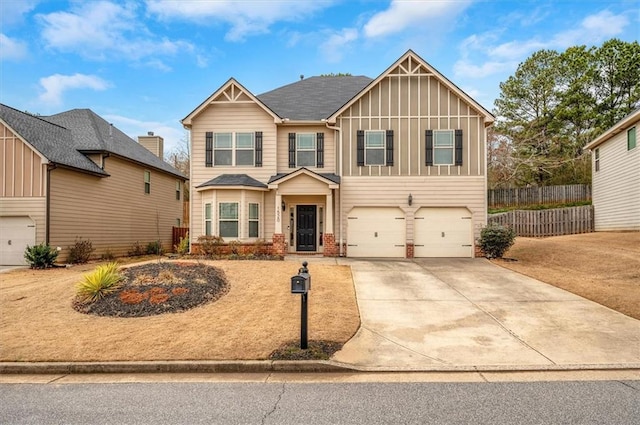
(339, 132)
(47, 225)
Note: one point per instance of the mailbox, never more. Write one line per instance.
(299, 284)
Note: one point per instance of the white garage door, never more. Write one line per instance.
(376, 232)
(443, 232)
(15, 234)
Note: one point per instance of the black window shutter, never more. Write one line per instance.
(360, 139)
(458, 135)
(208, 157)
(320, 150)
(292, 150)
(428, 142)
(258, 149)
(389, 148)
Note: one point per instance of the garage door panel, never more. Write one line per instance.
(443, 232)
(16, 233)
(376, 232)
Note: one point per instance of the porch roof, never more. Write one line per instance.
(233, 180)
(329, 178)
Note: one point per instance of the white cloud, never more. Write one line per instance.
(336, 44)
(404, 14)
(12, 49)
(55, 86)
(12, 11)
(173, 134)
(246, 18)
(104, 30)
(593, 29)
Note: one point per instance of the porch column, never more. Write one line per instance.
(278, 215)
(329, 213)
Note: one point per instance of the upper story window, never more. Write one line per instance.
(306, 150)
(631, 138)
(597, 159)
(232, 149)
(374, 148)
(443, 147)
(178, 189)
(147, 182)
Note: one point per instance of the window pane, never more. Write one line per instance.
(306, 159)
(631, 138)
(222, 157)
(147, 176)
(374, 157)
(207, 228)
(443, 156)
(253, 211)
(244, 140)
(207, 211)
(229, 229)
(229, 210)
(443, 138)
(253, 229)
(374, 139)
(244, 157)
(223, 140)
(306, 141)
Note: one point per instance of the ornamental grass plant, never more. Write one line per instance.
(104, 280)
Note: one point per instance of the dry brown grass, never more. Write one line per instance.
(38, 323)
(603, 267)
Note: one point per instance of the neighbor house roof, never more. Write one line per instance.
(65, 138)
(233, 180)
(314, 98)
(621, 125)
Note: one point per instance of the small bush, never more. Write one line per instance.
(210, 246)
(80, 252)
(183, 246)
(234, 248)
(155, 248)
(104, 280)
(495, 240)
(136, 250)
(40, 256)
(108, 256)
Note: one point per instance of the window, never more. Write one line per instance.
(374, 147)
(254, 220)
(178, 189)
(147, 182)
(207, 220)
(631, 138)
(244, 148)
(222, 148)
(306, 150)
(597, 154)
(228, 219)
(443, 147)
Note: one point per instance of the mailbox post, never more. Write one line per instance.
(301, 284)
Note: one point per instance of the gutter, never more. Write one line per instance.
(339, 132)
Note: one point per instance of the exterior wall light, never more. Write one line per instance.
(410, 200)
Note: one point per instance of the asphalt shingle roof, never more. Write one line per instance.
(234, 180)
(329, 176)
(313, 98)
(62, 139)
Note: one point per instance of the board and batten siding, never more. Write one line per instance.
(112, 212)
(23, 171)
(329, 148)
(468, 192)
(616, 186)
(409, 105)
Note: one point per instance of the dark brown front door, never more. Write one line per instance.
(306, 228)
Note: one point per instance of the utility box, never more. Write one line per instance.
(299, 284)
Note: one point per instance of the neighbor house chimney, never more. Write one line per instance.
(153, 143)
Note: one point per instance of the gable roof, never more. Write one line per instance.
(64, 138)
(328, 178)
(314, 98)
(233, 180)
(621, 125)
(416, 63)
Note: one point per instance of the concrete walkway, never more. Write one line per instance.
(469, 314)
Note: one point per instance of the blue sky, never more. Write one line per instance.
(145, 65)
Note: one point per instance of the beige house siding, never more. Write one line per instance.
(616, 186)
(33, 207)
(426, 192)
(112, 212)
(23, 171)
(329, 147)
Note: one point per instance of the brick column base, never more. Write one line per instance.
(329, 243)
(279, 245)
(409, 250)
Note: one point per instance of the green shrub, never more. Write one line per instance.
(183, 246)
(495, 240)
(210, 246)
(81, 251)
(40, 256)
(154, 248)
(104, 280)
(108, 256)
(136, 250)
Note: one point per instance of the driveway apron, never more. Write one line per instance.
(443, 314)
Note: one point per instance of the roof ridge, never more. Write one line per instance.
(42, 118)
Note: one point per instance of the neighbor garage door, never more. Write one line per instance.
(15, 234)
(376, 232)
(443, 232)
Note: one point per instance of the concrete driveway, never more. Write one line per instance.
(468, 314)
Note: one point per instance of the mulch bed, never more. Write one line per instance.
(158, 288)
(316, 350)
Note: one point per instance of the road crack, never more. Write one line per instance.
(275, 405)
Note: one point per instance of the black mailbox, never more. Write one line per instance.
(299, 284)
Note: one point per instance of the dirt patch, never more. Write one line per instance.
(603, 267)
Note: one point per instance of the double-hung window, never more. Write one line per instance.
(597, 159)
(178, 189)
(233, 149)
(245, 145)
(374, 147)
(306, 149)
(222, 148)
(443, 147)
(207, 220)
(254, 220)
(147, 182)
(228, 219)
(631, 138)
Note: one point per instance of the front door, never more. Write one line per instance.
(306, 228)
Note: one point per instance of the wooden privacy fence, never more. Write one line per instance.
(552, 222)
(177, 234)
(537, 195)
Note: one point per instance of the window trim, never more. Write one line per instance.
(208, 220)
(234, 149)
(229, 220)
(312, 150)
(437, 148)
(253, 220)
(632, 131)
(596, 153)
(382, 147)
(252, 149)
(147, 182)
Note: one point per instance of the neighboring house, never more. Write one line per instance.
(387, 167)
(616, 176)
(73, 175)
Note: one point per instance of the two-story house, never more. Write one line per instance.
(343, 165)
